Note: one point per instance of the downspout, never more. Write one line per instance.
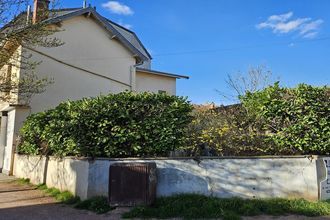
(133, 75)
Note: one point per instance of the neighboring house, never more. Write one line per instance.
(98, 57)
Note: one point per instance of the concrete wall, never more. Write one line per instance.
(32, 167)
(298, 177)
(89, 46)
(68, 174)
(15, 119)
(10, 138)
(154, 83)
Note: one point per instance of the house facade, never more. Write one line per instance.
(98, 57)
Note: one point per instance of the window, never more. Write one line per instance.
(161, 92)
(7, 80)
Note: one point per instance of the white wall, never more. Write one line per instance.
(68, 174)
(16, 117)
(88, 46)
(247, 178)
(154, 83)
(10, 137)
(32, 167)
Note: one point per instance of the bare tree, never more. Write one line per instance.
(256, 78)
(18, 34)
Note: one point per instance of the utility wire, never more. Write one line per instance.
(238, 48)
(178, 53)
(76, 67)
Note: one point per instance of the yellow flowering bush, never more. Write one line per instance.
(225, 131)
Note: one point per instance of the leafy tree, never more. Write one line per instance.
(18, 34)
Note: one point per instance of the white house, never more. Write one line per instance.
(98, 57)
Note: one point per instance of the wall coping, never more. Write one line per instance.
(310, 157)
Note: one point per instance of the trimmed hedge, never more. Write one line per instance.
(117, 125)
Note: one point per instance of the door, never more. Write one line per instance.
(132, 184)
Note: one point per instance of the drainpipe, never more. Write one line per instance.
(3, 137)
(133, 78)
(133, 75)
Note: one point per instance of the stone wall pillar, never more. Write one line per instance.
(3, 137)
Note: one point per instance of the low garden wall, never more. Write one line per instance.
(257, 177)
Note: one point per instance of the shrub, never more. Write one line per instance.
(226, 131)
(116, 125)
(189, 206)
(297, 120)
(272, 121)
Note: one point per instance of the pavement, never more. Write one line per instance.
(5, 178)
(24, 202)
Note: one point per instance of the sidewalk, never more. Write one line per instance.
(25, 202)
(5, 178)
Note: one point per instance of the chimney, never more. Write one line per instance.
(40, 10)
(28, 13)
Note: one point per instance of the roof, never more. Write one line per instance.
(143, 70)
(128, 38)
(128, 34)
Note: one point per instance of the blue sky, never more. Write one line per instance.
(209, 39)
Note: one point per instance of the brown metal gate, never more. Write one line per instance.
(132, 184)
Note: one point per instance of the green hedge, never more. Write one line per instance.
(273, 121)
(296, 120)
(116, 125)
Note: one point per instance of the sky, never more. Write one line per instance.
(209, 39)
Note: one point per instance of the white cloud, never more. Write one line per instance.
(289, 26)
(310, 35)
(284, 23)
(118, 8)
(311, 26)
(282, 17)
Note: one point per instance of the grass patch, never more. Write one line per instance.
(97, 204)
(42, 186)
(52, 191)
(65, 197)
(197, 206)
(23, 181)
